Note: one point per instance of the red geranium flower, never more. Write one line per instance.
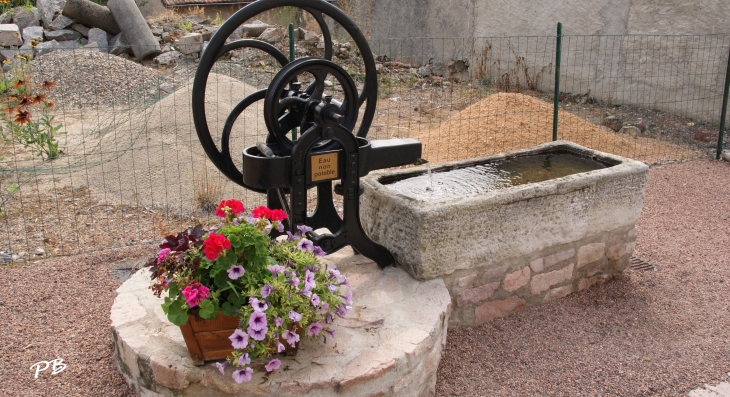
(277, 215)
(214, 245)
(226, 207)
(261, 212)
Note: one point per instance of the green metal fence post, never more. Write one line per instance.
(291, 58)
(557, 80)
(723, 112)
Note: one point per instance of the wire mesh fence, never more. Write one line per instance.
(131, 168)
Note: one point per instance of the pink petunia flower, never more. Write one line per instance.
(162, 255)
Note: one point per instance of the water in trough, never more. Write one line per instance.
(451, 183)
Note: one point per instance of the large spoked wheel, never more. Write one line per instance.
(284, 115)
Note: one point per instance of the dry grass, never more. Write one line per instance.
(506, 121)
(176, 13)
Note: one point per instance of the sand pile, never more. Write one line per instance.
(507, 121)
(152, 156)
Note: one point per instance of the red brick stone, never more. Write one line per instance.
(557, 293)
(554, 259)
(537, 265)
(590, 253)
(498, 308)
(543, 282)
(474, 295)
(516, 280)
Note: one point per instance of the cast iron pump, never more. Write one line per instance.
(331, 146)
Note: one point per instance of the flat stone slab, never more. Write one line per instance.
(389, 344)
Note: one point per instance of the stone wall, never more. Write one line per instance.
(484, 293)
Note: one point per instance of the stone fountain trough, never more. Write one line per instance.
(505, 249)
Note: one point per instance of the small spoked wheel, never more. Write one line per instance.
(287, 106)
(298, 84)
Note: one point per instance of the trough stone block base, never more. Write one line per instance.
(389, 344)
(509, 248)
(487, 292)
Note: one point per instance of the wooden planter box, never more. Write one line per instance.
(207, 340)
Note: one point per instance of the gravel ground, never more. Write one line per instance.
(648, 333)
(60, 309)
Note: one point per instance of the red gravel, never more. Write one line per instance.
(648, 333)
(60, 309)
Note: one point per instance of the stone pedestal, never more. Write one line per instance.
(389, 344)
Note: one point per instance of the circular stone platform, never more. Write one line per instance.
(389, 344)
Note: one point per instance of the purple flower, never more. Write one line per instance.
(291, 338)
(314, 329)
(278, 321)
(309, 282)
(305, 245)
(329, 318)
(235, 271)
(259, 306)
(317, 250)
(239, 339)
(279, 347)
(304, 229)
(294, 280)
(273, 365)
(331, 332)
(292, 237)
(243, 375)
(347, 298)
(257, 321)
(324, 308)
(280, 227)
(222, 367)
(345, 282)
(332, 288)
(250, 220)
(295, 316)
(257, 334)
(266, 290)
(305, 293)
(342, 310)
(275, 269)
(333, 272)
(315, 300)
(267, 227)
(244, 359)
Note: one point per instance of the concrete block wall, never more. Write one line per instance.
(648, 71)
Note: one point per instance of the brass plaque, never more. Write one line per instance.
(325, 167)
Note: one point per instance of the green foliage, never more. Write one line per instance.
(237, 269)
(23, 100)
(218, 20)
(10, 190)
(185, 25)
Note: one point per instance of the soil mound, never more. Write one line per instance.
(507, 121)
